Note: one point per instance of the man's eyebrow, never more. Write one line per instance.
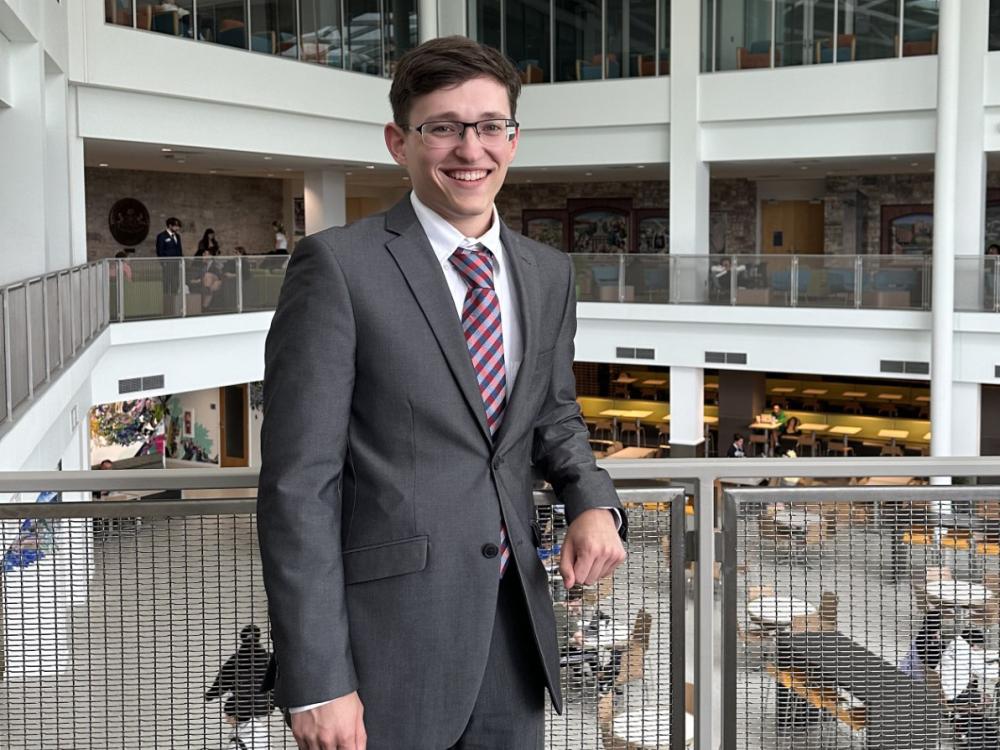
(453, 116)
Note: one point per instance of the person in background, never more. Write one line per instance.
(168, 245)
(778, 414)
(246, 704)
(208, 244)
(965, 669)
(925, 649)
(280, 238)
(736, 449)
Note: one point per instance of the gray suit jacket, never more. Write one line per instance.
(381, 488)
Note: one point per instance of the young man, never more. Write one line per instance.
(168, 245)
(419, 362)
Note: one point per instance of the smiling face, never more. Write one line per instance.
(459, 182)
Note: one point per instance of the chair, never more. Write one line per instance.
(264, 41)
(757, 55)
(166, 22)
(646, 64)
(604, 427)
(232, 33)
(888, 410)
(594, 70)
(605, 722)
(760, 440)
(807, 440)
(631, 428)
(633, 661)
(846, 49)
(917, 43)
(853, 407)
(891, 450)
(529, 71)
(663, 432)
(620, 390)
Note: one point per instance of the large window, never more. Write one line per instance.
(576, 40)
(365, 36)
(780, 33)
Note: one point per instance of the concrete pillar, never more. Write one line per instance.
(325, 199)
(427, 19)
(742, 396)
(959, 192)
(77, 184)
(452, 17)
(687, 412)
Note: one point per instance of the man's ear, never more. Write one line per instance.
(395, 141)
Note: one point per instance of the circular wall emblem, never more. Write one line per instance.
(129, 222)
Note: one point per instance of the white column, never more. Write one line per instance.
(77, 183)
(965, 432)
(452, 17)
(325, 199)
(959, 192)
(427, 19)
(687, 410)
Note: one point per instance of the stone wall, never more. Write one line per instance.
(239, 209)
(853, 208)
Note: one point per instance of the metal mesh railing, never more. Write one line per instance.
(117, 617)
(862, 617)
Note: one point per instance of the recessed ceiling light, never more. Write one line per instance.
(893, 158)
(211, 171)
(527, 180)
(288, 169)
(166, 150)
(102, 164)
(640, 166)
(588, 174)
(405, 178)
(182, 161)
(270, 175)
(544, 169)
(804, 168)
(348, 173)
(369, 166)
(268, 158)
(914, 163)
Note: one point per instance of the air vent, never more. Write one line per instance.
(148, 383)
(715, 358)
(624, 352)
(917, 368)
(891, 365)
(736, 358)
(645, 354)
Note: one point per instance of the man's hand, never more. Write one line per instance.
(336, 725)
(592, 548)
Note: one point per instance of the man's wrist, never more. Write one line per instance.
(301, 709)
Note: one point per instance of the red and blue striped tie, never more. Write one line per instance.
(484, 337)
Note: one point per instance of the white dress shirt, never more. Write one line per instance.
(960, 662)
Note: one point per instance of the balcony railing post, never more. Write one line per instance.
(45, 327)
(996, 284)
(27, 344)
(621, 277)
(120, 290)
(859, 270)
(182, 287)
(793, 281)
(8, 394)
(925, 283)
(732, 280)
(239, 283)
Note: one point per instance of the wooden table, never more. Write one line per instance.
(655, 381)
(636, 414)
(771, 428)
(815, 392)
(927, 437)
(626, 380)
(813, 427)
(635, 453)
(923, 399)
(783, 389)
(778, 610)
(894, 435)
(707, 419)
(890, 396)
(844, 430)
(648, 729)
(854, 394)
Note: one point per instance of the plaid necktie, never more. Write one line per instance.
(484, 337)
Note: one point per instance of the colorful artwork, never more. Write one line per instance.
(654, 235)
(912, 234)
(546, 230)
(128, 422)
(36, 539)
(600, 232)
(186, 437)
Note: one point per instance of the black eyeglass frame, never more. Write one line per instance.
(511, 125)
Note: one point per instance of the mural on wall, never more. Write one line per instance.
(130, 422)
(128, 221)
(186, 437)
(653, 234)
(36, 539)
(600, 232)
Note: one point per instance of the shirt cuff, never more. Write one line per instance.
(300, 709)
(616, 513)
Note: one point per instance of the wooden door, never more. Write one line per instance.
(234, 426)
(792, 227)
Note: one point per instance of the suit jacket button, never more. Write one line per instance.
(490, 550)
(497, 462)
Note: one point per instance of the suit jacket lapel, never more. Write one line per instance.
(418, 263)
(524, 278)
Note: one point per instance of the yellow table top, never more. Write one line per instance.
(927, 436)
(626, 413)
(764, 425)
(815, 391)
(783, 389)
(633, 452)
(894, 434)
(708, 419)
(854, 394)
(890, 396)
(813, 427)
(655, 381)
(923, 399)
(627, 380)
(841, 429)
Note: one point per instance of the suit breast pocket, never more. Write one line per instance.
(376, 561)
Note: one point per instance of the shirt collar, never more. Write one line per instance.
(445, 238)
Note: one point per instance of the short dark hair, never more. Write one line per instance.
(737, 437)
(173, 221)
(445, 62)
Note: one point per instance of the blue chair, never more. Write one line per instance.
(166, 23)
(895, 279)
(235, 36)
(263, 41)
(846, 49)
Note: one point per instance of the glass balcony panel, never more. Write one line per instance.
(762, 280)
(173, 17)
(118, 12)
(895, 282)
(647, 279)
(320, 33)
(272, 27)
(528, 26)
(664, 45)
(616, 17)
(212, 286)
(637, 41)
(707, 20)
(743, 34)
(76, 317)
(153, 290)
(66, 315)
(484, 21)
(868, 28)
(578, 42)
(690, 279)
(18, 345)
(223, 22)
(826, 281)
(52, 315)
(3, 366)
(399, 30)
(976, 282)
(363, 52)
(36, 312)
(920, 27)
(596, 277)
(802, 28)
(262, 277)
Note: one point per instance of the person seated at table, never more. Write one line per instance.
(964, 670)
(778, 414)
(721, 279)
(736, 449)
(925, 649)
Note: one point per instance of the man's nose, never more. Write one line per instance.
(470, 146)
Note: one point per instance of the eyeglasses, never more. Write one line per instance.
(446, 134)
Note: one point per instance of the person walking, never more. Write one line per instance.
(247, 704)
